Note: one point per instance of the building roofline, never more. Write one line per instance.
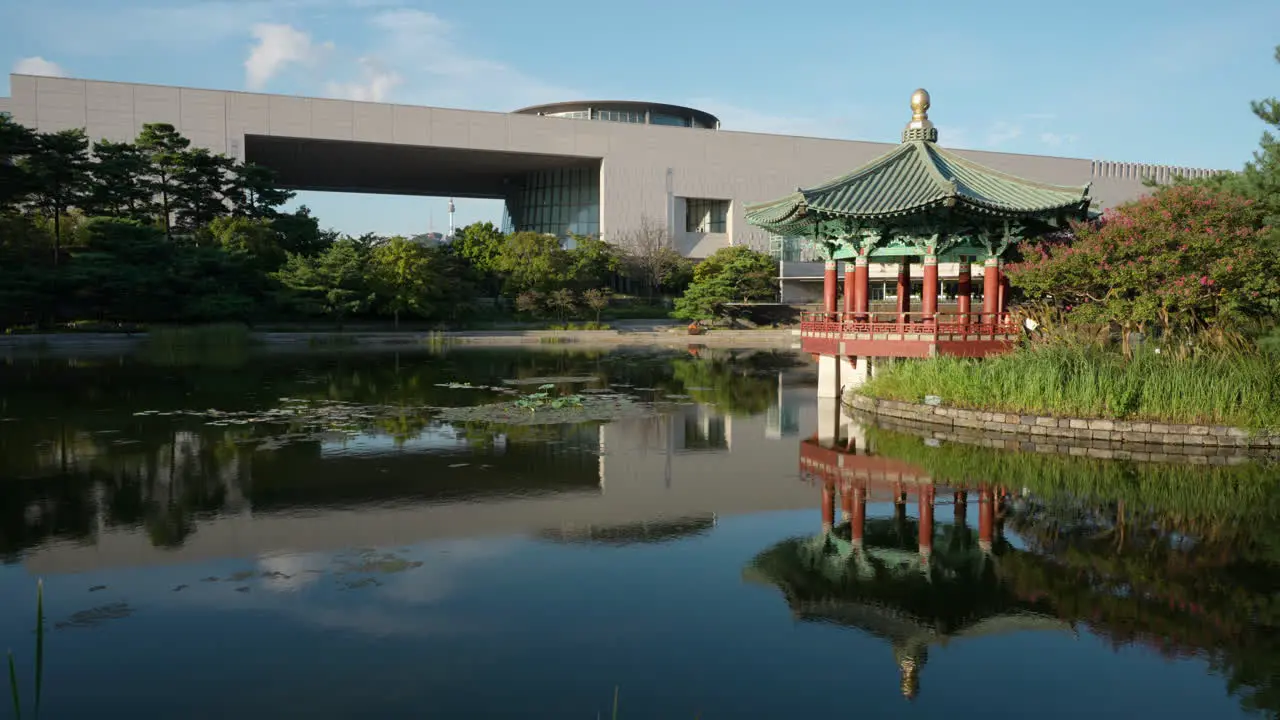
(578, 104)
(889, 144)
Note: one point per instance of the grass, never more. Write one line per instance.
(215, 344)
(13, 670)
(581, 326)
(1228, 387)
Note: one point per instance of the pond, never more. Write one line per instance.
(491, 533)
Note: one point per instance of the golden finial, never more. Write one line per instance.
(919, 107)
(920, 128)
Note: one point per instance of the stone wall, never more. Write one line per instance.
(1112, 439)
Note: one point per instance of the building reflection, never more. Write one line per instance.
(182, 491)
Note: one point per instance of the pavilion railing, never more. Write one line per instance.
(974, 325)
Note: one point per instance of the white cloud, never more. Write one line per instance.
(38, 66)
(1002, 132)
(275, 48)
(375, 84)
(1053, 139)
(744, 119)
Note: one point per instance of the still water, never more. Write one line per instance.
(332, 535)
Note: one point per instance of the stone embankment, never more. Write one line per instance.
(1111, 439)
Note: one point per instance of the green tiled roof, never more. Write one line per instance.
(913, 178)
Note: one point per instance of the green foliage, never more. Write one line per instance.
(58, 170)
(335, 283)
(1210, 386)
(119, 188)
(1185, 258)
(481, 244)
(533, 261)
(593, 262)
(543, 399)
(597, 299)
(406, 277)
(732, 274)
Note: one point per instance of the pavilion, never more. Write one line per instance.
(917, 203)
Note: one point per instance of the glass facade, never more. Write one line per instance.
(706, 216)
(561, 202)
(575, 114)
(672, 120)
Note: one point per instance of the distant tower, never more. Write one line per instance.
(451, 209)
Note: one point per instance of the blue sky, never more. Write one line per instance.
(1160, 81)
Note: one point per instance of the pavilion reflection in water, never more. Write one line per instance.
(911, 581)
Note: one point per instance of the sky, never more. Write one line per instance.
(1155, 81)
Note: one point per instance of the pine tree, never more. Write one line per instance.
(119, 187)
(163, 146)
(253, 191)
(201, 188)
(59, 172)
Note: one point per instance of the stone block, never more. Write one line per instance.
(1101, 425)
(1219, 430)
(998, 417)
(1026, 419)
(1046, 422)
(1122, 426)
(993, 426)
(1160, 429)
(1200, 430)
(1100, 453)
(1079, 424)
(1133, 436)
(1194, 439)
(1235, 432)
(1039, 430)
(1142, 427)
(1171, 439)
(1100, 434)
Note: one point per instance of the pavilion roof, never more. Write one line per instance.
(913, 179)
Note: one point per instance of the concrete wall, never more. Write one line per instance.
(644, 166)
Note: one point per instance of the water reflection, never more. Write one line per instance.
(1182, 561)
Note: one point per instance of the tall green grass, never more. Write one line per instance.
(215, 344)
(13, 670)
(1229, 387)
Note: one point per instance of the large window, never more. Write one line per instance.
(624, 116)
(562, 202)
(575, 114)
(673, 120)
(706, 216)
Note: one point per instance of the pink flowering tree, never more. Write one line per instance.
(1184, 258)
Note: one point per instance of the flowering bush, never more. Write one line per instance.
(1184, 258)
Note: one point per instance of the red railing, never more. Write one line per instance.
(971, 326)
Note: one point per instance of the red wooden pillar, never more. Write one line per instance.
(961, 507)
(828, 506)
(846, 503)
(925, 499)
(1004, 293)
(850, 291)
(964, 291)
(857, 523)
(861, 288)
(904, 289)
(990, 290)
(986, 518)
(929, 291)
(829, 289)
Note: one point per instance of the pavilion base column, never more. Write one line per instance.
(990, 289)
(986, 518)
(853, 372)
(829, 289)
(964, 292)
(861, 288)
(904, 289)
(929, 290)
(829, 376)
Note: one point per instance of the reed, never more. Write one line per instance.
(13, 670)
(1226, 385)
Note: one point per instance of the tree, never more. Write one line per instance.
(59, 173)
(164, 147)
(200, 188)
(334, 283)
(731, 274)
(562, 302)
(533, 261)
(16, 143)
(253, 192)
(651, 256)
(1186, 258)
(118, 187)
(254, 240)
(405, 277)
(530, 302)
(597, 299)
(593, 262)
(481, 244)
(300, 232)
